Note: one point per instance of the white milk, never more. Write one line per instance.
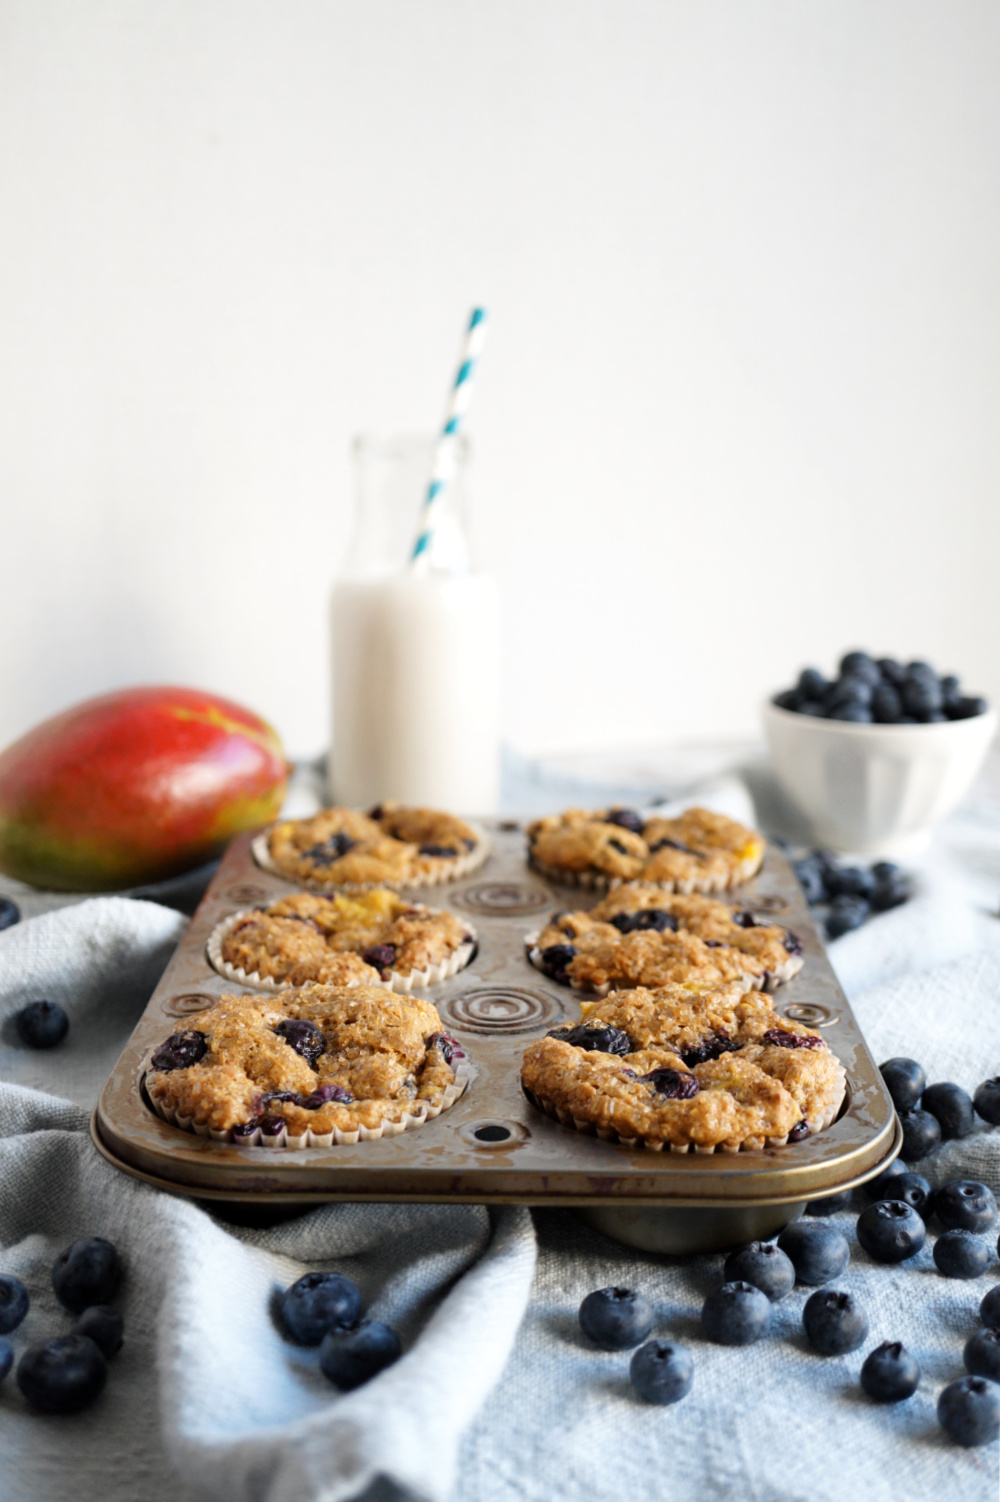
(416, 689)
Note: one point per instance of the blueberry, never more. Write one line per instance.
(661, 1372)
(859, 714)
(736, 1314)
(913, 1189)
(887, 706)
(318, 1303)
(104, 1326)
(10, 913)
(834, 1322)
(87, 1272)
(874, 1189)
(989, 1309)
(849, 881)
(965, 1205)
(6, 1357)
(953, 1108)
(889, 892)
(831, 1205)
(860, 665)
(961, 1254)
(764, 1265)
(889, 1374)
(950, 688)
(321, 1097)
(986, 1101)
(595, 1039)
(891, 1231)
(14, 1303)
(555, 959)
(905, 1082)
(62, 1375)
(349, 1358)
(811, 684)
(671, 1084)
(810, 877)
(892, 671)
(982, 1354)
(647, 918)
(846, 913)
(303, 1037)
(180, 1051)
(812, 707)
(969, 1411)
(818, 1253)
(787, 699)
(920, 672)
(445, 851)
(616, 1318)
(921, 1134)
(625, 818)
(921, 699)
(967, 709)
(41, 1024)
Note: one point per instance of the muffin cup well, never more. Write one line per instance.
(403, 984)
(452, 870)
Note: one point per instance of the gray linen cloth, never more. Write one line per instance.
(498, 1395)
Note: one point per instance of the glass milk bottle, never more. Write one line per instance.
(416, 651)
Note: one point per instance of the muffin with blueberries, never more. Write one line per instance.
(340, 939)
(391, 846)
(306, 1068)
(698, 851)
(638, 935)
(666, 1069)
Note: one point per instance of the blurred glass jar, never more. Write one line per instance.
(416, 651)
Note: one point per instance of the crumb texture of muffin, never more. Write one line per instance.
(390, 846)
(720, 1071)
(341, 939)
(323, 1062)
(639, 935)
(698, 851)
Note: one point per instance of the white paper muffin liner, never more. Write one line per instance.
(453, 870)
(403, 984)
(749, 1144)
(334, 1138)
(774, 978)
(600, 881)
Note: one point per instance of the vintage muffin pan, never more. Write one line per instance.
(492, 1146)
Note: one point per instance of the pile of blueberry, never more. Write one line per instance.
(324, 1309)
(849, 895)
(67, 1373)
(885, 692)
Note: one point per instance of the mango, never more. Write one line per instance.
(133, 787)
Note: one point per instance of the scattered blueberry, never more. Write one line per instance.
(953, 1108)
(989, 1309)
(846, 913)
(921, 1134)
(104, 1326)
(6, 1357)
(14, 1303)
(349, 1358)
(818, 1253)
(891, 1231)
(969, 1411)
(616, 1318)
(595, 1039)
(831, 1205)
(180, 1051)
(736, 1314)
(890, 891)
(661, 1372)
(874, 1188)
(889, 1374)
(982, 1354)
(87, 1272)
(849, 881)
(913, 1189)
(303, 1037)
(834, 1322)
(318, 1303)
(41, 1024)
(62, 1375)
(965, 1205)
(961, 1254)
(987, 1101)
(905, 1082)
(810, 876)
(764, 1265)
(10, 913)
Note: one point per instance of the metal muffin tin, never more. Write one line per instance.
(492, 1147)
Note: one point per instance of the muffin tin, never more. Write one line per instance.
(492, 1147)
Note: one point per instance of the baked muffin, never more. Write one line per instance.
(369, 937)
(307, 1068)
(638, 935)
(698, 851)
(391, 846)
(713, 1072)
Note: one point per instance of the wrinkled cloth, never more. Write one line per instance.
(498, 1395)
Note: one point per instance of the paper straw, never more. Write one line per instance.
(444, 450)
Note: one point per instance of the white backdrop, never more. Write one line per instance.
(738, 408)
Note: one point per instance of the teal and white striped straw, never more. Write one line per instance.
(444, 451)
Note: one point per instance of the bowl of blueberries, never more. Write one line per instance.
(875, 756)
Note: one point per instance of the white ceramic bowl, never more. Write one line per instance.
(875, 789)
